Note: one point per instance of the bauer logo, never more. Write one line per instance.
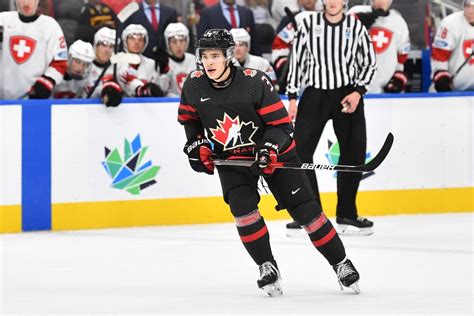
(334, 153)
(130, 172)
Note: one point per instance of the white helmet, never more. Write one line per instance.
(241, 35)
(134, 29)
(104, 35)
(82, 50)
(468, 2)
(176, 30)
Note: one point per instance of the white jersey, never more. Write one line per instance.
(391, 42)
(69, 88)
(173, 80)
(30, 50)
(131, 77)
(93, 76)
(259, 63)
(454, 42)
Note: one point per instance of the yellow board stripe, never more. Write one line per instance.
(214, 210)
(10, 218)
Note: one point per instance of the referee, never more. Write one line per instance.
(333, 60)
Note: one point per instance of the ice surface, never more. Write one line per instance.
(411, 265)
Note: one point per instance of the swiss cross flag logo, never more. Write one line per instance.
(468, 50)
(381, 38)
(21, 48)
(180, 80)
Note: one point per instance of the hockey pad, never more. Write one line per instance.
(111, 94)
(42, 88)
(199, 153)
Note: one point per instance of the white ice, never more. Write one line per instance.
(419, 264)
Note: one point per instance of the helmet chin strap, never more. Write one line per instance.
(223, 72)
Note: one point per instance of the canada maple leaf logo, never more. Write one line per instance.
(196, 74)
(250, 72)
(231, 133)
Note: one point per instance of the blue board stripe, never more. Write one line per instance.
(36, 165)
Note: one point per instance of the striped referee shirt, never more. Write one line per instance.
(328, 56)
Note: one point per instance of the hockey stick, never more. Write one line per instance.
(468, 58)
(370, 166)
(123, 16)
(129, 58)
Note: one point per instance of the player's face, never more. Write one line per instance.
(469, 13)
(241, 50)
(381, 4)
(27, 7)
(308, 5)
(135, 43)
(334, 7)
(103, 52)
(78, 68)
(178, 46)
(214, 62)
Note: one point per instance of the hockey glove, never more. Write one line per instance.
(111, 94)
(150, 89)
(162, 60)
(42, 88)
(266, 156)
(443, 81)
(397, 84)
(368, 18)
(199, 154)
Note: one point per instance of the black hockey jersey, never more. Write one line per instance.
(238, 117)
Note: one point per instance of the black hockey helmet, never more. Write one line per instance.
(216, 39)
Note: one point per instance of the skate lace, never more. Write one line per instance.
(267, 269)
(343, 270)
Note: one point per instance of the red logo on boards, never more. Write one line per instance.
(21, 48)
(381, 38)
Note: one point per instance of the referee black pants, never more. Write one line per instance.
(315, 108)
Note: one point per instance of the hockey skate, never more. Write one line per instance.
(347, 275)
(270, 279)
(359, 226)
(295, 230)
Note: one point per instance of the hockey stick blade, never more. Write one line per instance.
(126, 12)
(370, 166)
(125, 58)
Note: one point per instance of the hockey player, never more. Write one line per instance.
(390, 37)
(245, 59)
(81, 56)
(452, 54)
(138, 80)
(240, 112)
(100, 82)
(34, 53)
(181, 63)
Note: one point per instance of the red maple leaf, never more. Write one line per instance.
(227, 127)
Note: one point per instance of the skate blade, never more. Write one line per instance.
(349, 230)
(355, 287)
(296, 232)
(273, 289)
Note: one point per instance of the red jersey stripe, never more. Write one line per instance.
(284, 120)
(440, 54)
(271, 108)
(186, 117)
(188, 108)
